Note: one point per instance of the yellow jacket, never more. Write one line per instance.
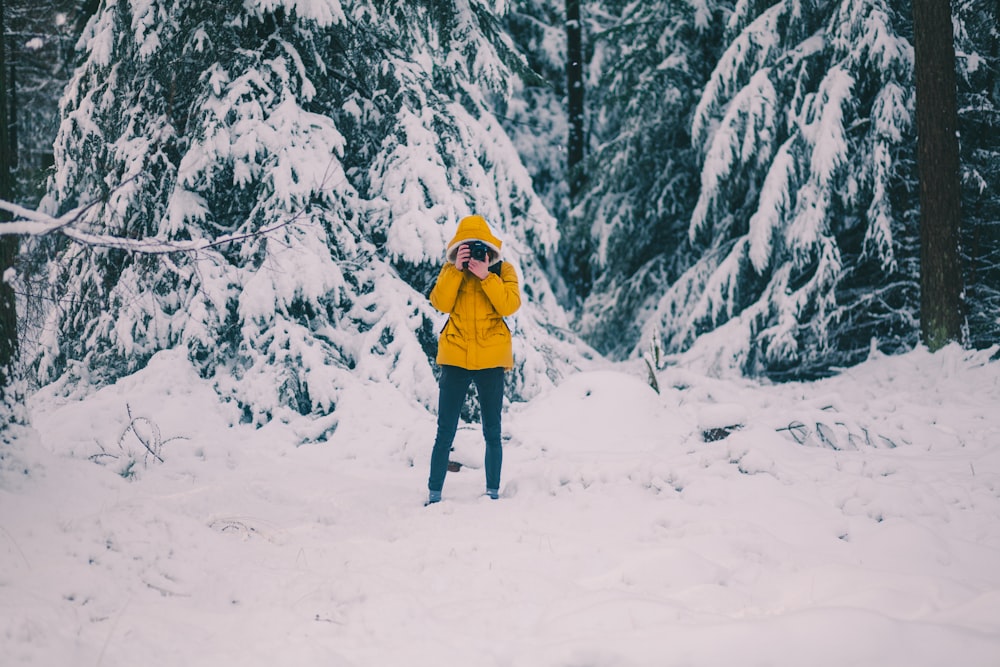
(476, 337)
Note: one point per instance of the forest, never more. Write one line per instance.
(752, 418)
(733, 185)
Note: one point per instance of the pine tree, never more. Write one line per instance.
(10, 397)
(41, 37)
(787, 237)
(575, 98)
(938, 163)
(534, 115)
(326, 151)
(649, 61)
(803, 232)
(978, 69)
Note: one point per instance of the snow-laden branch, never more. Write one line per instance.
(34, 223)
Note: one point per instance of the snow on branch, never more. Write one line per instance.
(748, 54)
(34, 223)
(776, 203)
(745, 136)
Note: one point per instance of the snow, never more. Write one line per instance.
(850, 521)
(323, 12)
(749, 53)
(775, 205)
(745, 135)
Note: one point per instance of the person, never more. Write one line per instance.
(477, 290)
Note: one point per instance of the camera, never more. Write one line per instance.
(477, 251)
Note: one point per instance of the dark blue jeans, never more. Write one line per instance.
(452, 387)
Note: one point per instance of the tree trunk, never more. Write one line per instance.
(938, 166)
(575, 90)
(8, 243)
(11, 90)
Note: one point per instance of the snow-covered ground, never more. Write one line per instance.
(850, 522)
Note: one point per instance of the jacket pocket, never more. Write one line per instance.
(452, 335)
(495, 332)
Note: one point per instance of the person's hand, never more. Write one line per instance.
(479, 269)
(462, 256)
(464, 261)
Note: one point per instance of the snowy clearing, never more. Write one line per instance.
(851, 521)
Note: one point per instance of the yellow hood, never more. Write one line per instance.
(474, 228)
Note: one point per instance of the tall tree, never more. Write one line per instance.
(42, 36)
(799, 242)
(978, 54)
(326, 151)
(10, 86)
(9, 397)
(575, 97)
(534, 116)
(11, 387)
(650, 60)
(938, 164)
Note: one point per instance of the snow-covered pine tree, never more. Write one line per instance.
(650, 60)
(40, 39)
(803, 230)
(534, 114)
(326, 151)
(978, 53)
